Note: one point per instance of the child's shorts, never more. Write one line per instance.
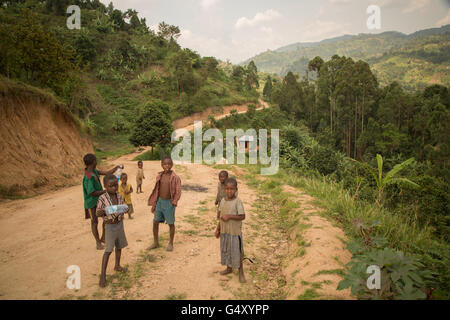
(115, 236)
(164, 211)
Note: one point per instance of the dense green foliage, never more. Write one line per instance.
(107, 71)
(384, 147)
(378, 155)
(153, 127)
(415, 61)
(348, 114)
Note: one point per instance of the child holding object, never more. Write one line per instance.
(125, 190)
(111, 207)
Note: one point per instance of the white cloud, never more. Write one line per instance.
(260, 17)
(415, 5)
(445, 20)
(267, 30)
(383, 3)
(206, 4)
(206, 46)
(340, 1)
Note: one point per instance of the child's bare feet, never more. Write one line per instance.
(120, 269)
(102, 282)
(169, 247)
(100, 246)
(130, 217)
(153, 246)
(228, 270)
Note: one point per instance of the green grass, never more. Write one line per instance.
(147, 257)
(150, 155)
(309, 294)
(11, 193)
(194, 220)
(339, 272)
(112, 147)
(341, 207)
(190, 232)
(176, 296)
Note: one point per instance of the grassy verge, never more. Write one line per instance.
(112, 147)
(353, 216)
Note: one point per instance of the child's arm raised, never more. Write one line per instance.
(97, 193)
(104, 173)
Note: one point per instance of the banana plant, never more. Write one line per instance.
(390, 177)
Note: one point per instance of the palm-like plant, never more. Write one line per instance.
(390, 177)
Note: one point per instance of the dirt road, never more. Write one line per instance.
(188, 122)
(41, 236)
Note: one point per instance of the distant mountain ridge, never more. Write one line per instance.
(297, 45)
(415, 60)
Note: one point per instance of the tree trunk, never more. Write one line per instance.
(356, 126)
(362, 116)
(349, 143)
(7, 64)
(331, 109)
(331, 114)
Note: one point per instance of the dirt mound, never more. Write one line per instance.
(216, 112)
(40, 142)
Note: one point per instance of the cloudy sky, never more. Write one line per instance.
(238, 30)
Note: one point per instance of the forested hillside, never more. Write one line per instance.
(414, 60)
(377, 157)
(373, 152)
(107, 71)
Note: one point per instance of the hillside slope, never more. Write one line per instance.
(41, 144)
(414, 60)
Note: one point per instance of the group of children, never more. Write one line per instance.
(163, 200)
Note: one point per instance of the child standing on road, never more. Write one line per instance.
(115, 233)
(164, 200)
(125, 190)
(139, 177)
(229, 230)
(92, 189)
